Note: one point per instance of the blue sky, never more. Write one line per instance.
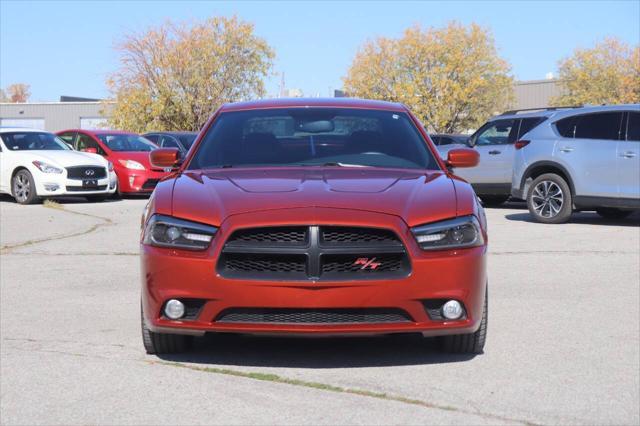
(66, 48)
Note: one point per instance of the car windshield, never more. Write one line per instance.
(33, 141)
(187, 140)
(124, 142)
(285, 137)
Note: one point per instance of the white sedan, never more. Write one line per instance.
(35, 164)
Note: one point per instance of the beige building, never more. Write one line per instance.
(55, 116)
(536, 93)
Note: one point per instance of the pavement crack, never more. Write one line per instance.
(268, 377)
(6, 249)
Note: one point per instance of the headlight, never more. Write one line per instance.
(130, 164)
(167, 231)
(46, 168)
(454, 233)
(110, 166)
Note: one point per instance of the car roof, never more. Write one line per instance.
(313, 102)
(559, 112)
(99, 131)
(173, 133)
(8, 129)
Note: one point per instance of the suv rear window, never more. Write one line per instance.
(633, 127)
(286, 137)
(528, 124)
(599, 125)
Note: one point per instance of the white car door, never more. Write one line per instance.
(628, 160)
(494, 142)
(5, 168)
(591, 154)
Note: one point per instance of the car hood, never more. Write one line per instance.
(67, 158)
(415, 196)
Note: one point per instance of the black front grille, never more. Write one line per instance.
(86, 172)
(240, 263)
(343, 235)
(87, 189)
(275, 235)
(314, 253)
(313, 316)
(150, 184)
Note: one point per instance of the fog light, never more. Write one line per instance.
(131, 180)
(51, 186)
(452, 310)
(174, 309)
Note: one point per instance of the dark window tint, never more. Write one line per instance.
(601, 125)
(437, 140)
(633, 127)
(566, 127)
(187, 140)
(527, 124)
(284, 137)
(153, 138)
(168, 142)
(33, 141)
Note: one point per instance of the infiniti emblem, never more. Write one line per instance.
(89, 172)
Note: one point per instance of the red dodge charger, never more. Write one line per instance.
(313, 217)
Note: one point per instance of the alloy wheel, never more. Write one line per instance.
(547, 199)
(21, 187)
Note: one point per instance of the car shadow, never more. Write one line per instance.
(584, 218)
(317, 353)
(5, 198)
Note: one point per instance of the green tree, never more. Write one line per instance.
(174, 76)
(452, 78)
(608, 73)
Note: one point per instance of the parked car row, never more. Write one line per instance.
(94, 164)
(559, 160)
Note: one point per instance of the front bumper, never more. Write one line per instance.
(452, 274)
(138, 181)
(55, 185)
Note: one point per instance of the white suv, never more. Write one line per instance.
(580, 159)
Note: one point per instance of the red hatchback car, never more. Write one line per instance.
(313, 217)
(128, 152)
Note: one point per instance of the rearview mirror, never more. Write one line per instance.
(165, 157)
(317, 126)
(462, 157)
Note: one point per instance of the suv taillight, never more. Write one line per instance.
(521, 144)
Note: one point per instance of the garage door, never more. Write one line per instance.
(33, 123)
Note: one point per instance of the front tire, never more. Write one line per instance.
(549, 199)
(469, 343)
(613, 213)
(24, 188)
(161, 343)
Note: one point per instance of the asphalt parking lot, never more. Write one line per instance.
(563, 344)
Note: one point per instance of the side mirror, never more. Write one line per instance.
(90, 150)
(165, 157)
(463, 157)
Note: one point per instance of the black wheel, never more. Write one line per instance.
(161, 343)
(24, 188)
(493, 200)
(549, 199)
(613, 213)
(469, 343)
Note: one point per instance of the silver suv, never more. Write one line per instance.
(495, 142)
(580, 159)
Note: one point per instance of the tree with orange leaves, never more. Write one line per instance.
(452, 78)
(608, 73)
(174, 76)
